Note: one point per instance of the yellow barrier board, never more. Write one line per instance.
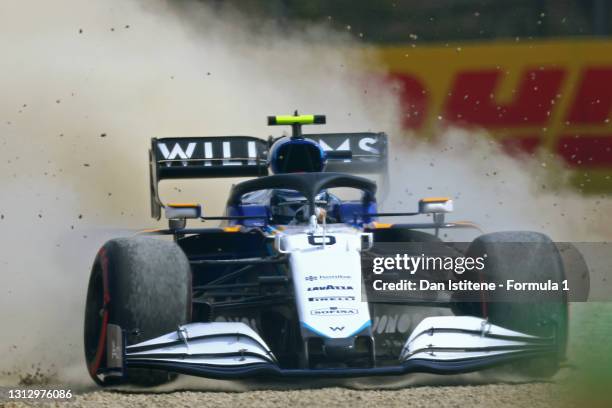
(555, 95)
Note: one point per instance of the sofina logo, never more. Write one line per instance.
(326, 311)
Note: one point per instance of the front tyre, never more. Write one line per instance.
(523, 257)
(142, 285)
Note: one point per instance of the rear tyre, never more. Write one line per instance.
(523, 257)
(576, 271)
(142, 285)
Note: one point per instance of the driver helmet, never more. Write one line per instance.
(290, 155)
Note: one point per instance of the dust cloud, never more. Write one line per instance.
(498, 191)
(85, 85)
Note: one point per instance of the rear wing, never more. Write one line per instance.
(247, 156)
(368, 151)
(204, 157)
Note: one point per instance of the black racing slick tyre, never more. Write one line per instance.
(143, 285)
(523, 257)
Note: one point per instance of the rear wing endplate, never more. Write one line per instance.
(204, 157)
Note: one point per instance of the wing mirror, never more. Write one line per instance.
(435, 205)
(438, 206)
(178, 213)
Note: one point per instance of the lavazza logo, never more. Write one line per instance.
(326, 277)
(326, 311)
(330, 287)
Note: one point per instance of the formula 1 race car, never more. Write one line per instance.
(280, 288)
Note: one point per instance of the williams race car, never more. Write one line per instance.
(283, 288)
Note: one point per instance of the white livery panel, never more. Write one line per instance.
(326, 273)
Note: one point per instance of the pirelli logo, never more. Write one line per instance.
(331, 298)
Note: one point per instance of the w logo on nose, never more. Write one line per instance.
(337, 328)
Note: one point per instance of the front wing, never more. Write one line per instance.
(440, 345)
